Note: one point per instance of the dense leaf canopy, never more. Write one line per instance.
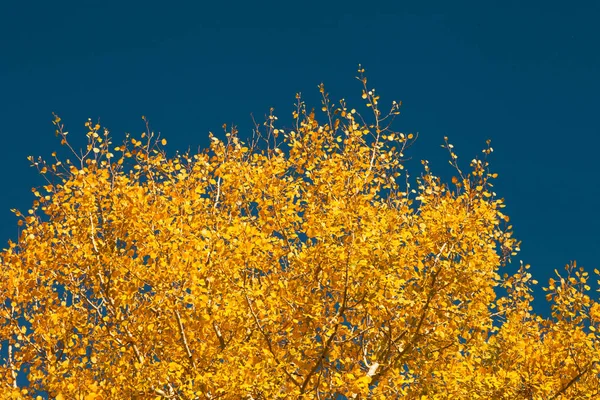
(300, 265)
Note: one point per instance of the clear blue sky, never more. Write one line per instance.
(523, 73)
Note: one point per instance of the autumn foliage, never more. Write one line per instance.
(300, 265)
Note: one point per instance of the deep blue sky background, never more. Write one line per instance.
(525, 74)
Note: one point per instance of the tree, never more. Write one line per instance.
(302, 265)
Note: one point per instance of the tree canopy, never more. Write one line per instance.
(302, 263)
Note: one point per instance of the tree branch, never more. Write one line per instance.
(184, 339)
